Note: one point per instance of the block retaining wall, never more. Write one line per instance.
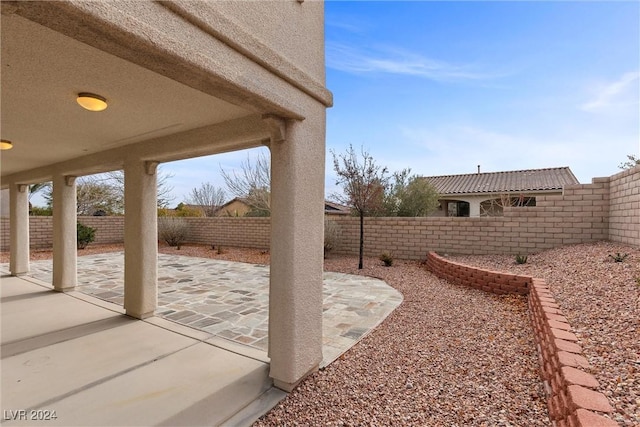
(572, 399)
(489, 281)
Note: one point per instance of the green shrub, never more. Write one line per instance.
(38, 211)
(521, 259)
(618, 257)
(173, 230)
(85, 235)
(386, 258)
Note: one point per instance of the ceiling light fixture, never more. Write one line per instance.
(6, 144)
(91, 101)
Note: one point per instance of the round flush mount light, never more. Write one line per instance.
(91, 101)
(6, 144)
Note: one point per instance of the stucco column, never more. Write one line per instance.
(65, 242)
(19, 229)
(140, 239)
(297, 230)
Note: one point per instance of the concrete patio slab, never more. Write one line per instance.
(106, 369)
(229, 300)
(40, 311)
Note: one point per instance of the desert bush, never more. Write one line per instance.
(38, 211)
(618, 257)
(85, 235)
(521, 259)
(331, 236)
(386, 258)
(173, 230)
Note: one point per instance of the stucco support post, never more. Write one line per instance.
(65, 242)
(140, 238)
(19, 229)
(297, 221)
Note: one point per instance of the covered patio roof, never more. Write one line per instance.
(181, 79)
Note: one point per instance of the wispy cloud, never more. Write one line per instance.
(623, 92)
(398, 61)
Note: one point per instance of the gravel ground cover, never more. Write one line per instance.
(447, 356)
(601, 300)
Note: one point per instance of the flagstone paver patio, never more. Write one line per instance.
(230, 299)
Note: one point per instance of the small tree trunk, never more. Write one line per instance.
(361, 240)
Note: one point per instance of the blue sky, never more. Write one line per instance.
(441, 87)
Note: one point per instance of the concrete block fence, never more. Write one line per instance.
(109, 229)
(606, 209)
(572, 398)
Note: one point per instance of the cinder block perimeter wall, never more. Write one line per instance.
(239, 232)
(624, 207)
(109, 229)
(606, 209)
(580, 215)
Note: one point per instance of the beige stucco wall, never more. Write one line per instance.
(298, 44)
(234, 209)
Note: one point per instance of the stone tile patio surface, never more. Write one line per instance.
(230, 299)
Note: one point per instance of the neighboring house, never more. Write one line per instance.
(332, 208)
(487, 193)
(239, 207)
(234, 207)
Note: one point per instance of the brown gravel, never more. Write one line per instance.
(601, 300)
(456, 356)
(447, 356)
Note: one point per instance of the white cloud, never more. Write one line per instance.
(397, 61)
(458, 149)
(624, 92)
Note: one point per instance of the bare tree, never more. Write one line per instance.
(105, 192)
(363, 184)
(164, 188)
(495, 207)
(632, 161)
(252, 184)
(208, 197)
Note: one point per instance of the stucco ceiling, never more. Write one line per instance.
(43, 71)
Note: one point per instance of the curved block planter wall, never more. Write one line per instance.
(571, 396)
(490, 281)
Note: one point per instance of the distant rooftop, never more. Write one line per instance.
(504, 182)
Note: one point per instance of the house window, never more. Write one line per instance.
(458, 208)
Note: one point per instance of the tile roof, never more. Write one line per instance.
(336, 208)
(504, 182)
